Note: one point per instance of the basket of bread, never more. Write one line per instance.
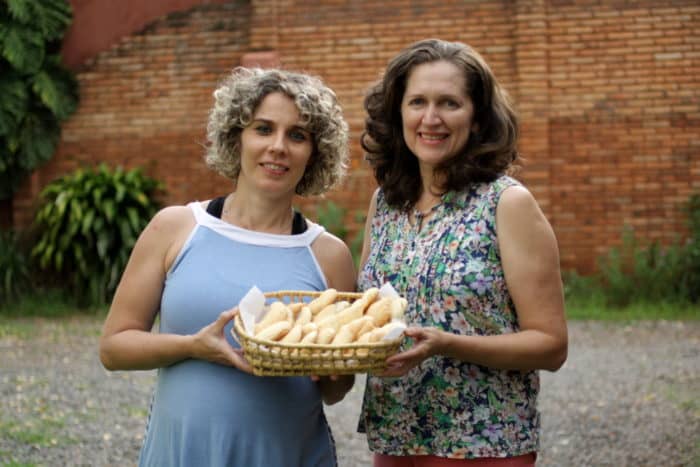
(321, 333)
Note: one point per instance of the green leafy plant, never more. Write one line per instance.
(38, 93)
(88, 223)
(638, 272)
(332, 217)
(359, 238)
(691, 278)
(14, 268)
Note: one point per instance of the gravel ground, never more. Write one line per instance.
(629, 395)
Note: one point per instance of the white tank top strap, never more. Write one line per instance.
(305, 239)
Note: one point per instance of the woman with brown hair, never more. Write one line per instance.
(470, 249)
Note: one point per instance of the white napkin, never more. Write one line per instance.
(252, 307)
(387, 290)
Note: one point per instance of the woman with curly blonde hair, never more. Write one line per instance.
(275, 134)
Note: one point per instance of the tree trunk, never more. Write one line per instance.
(6, 218)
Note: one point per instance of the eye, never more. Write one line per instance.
(451, 104)
(414, 101)
(262, 129)
(298, 135)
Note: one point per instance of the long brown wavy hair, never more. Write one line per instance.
(490, 151)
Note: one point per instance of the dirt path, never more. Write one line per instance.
(629, 395)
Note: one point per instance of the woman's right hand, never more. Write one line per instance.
(210, 344)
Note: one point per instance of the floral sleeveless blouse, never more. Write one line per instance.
(450, 272)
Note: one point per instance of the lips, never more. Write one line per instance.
(433, 136)
(274, 167)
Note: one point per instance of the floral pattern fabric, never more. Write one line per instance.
(450, 272)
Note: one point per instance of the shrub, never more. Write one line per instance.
(38, 92)
(14, 268)
(691, 278)
(88, 223)
(332, 217)
(636, 272)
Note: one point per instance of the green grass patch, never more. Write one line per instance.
(11, 328)
(139, 413)
(597, 311)
(13, 463)
(48, 304)
(685, 397)
(40, 432)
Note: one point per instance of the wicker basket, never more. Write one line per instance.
(270, 358)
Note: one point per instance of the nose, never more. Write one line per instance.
(278, 143)
(431, 115)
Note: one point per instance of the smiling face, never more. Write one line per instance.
(275, 147)
(436, 112)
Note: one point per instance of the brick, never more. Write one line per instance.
(608, 97)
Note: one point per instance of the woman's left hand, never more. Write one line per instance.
(334, 387)
(426, 343)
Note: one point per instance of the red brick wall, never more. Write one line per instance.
(608, 94)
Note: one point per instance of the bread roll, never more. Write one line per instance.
(351, 313)
(326, 298)
(308, 327)
(325, 335)
(398, 307)
(296, 307)
(275, 331)
(327, 311)
(367, 327)
(380, 311)
(370, 295)
(276, 312)
(304, 316)
(310, 338)
(363, 339)
(344, 336)
(293, 336)
(356, 325)
(379, 333)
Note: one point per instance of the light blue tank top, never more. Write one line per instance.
(205, 414)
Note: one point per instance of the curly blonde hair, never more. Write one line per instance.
(235, 102)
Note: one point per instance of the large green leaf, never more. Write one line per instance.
(37, 139)
(22, 47)
(36, 91)
(13, 105)
(21, 10)
(50, 17)
(56, 89)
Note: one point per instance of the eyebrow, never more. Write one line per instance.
(440, 96)
(272, 122)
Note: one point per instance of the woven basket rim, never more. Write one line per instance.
(238, 325)
(326, 358)
(309, 293)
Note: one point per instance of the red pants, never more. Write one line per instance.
(381, 460)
